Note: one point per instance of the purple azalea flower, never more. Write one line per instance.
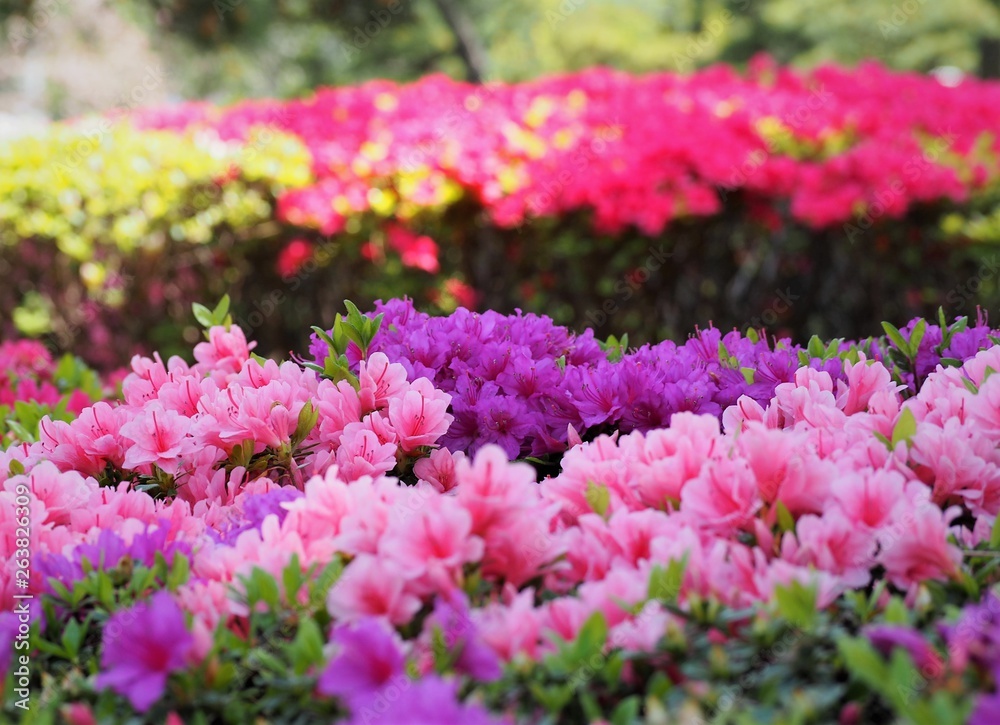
(370, 659)
(503, 420)
(430, 701)
(258, 507)
(141, 647)
(987, 707)
(8, 631)
(975, 637)
(475, 658)
(969, 341)
(886, 637)
(109, 549)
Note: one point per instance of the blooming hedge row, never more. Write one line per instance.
(238, 539)
(587, 195)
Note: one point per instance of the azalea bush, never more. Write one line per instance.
(105, 229)
(823, 201)
(799, 533)
(33, 385)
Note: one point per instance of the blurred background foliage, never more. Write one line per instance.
(228, 49)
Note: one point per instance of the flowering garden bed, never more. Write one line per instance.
(485, 518)
(824, 201)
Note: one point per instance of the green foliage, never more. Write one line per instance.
(354, 328)
(217, 317)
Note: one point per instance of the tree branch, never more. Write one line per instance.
(470, 46)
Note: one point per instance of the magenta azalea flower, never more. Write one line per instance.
(475, 658)
(370, 658)
(431, 701)
(141, 647)
(886, 637)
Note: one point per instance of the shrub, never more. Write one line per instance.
(239, 539)
(807, 202)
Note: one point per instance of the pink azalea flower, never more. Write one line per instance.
(864, 379)
(379, 382)
(724, 496)
(373, 586)
(916, 548)
(438, 469)
(361, 453)
(225, 351)
(159, 437)
(868, 497)
(434, 540)
(420, 416)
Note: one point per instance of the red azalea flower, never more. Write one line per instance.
(296, 253)
(416, 251)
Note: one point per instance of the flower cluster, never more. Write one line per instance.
(235, 524)
(529, 386)
(635, 151)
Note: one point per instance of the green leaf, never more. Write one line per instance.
(905, 428)
(588, 703)
(903, 680)
(202, 314)
(292, 578)
(327, 578)
(598, 497)
(179, 572)
(553, 698)
(306, 649)
(748, 374)
(221, 310)
(51, 648)
(815, 347)
(308, 417)
(591, 638)
(72, 637)
(627, 711)
(917, 336)
(893, 333)
(752, 335)
(665, 583)
(105, 590)
(995, 535)
(950, 362)
(325, 337)
(260, 586)
(796, 602)
(863, 661)
(20, 431)
(786, 522)
(354, 316)
(896, 612)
